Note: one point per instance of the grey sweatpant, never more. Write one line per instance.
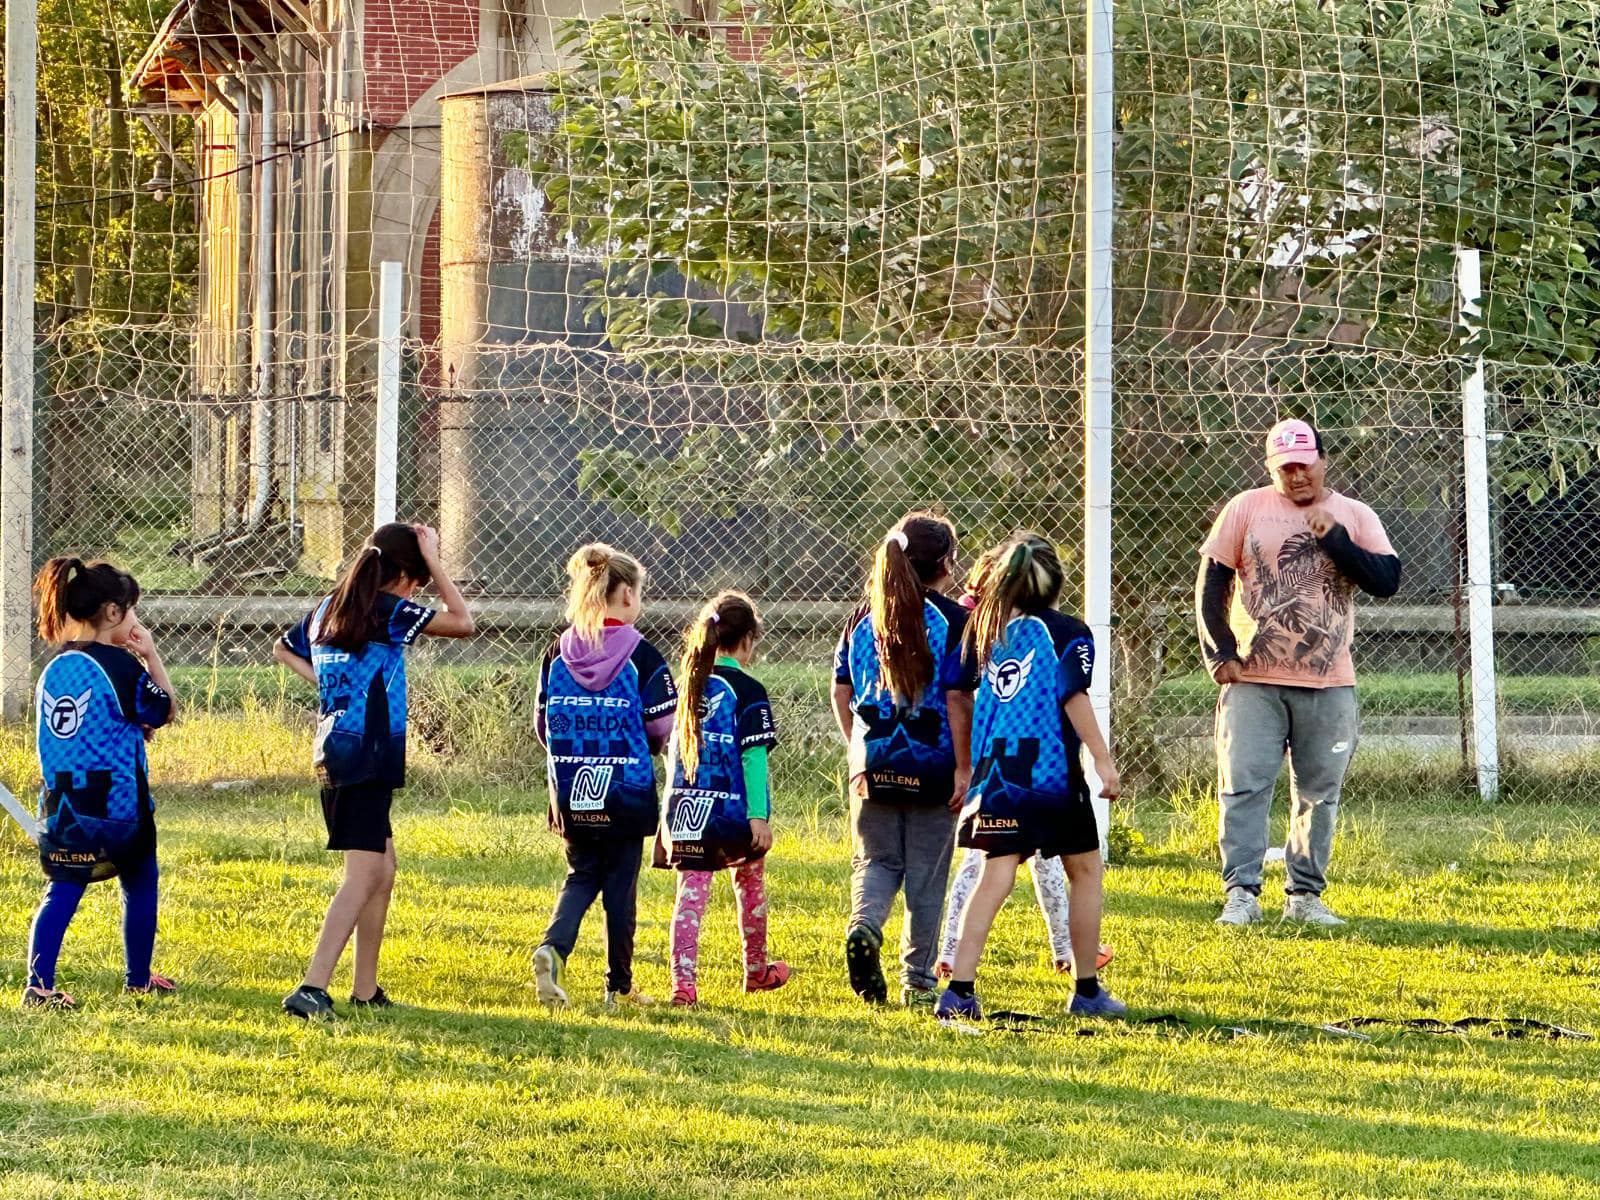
(1256, 723)
(902, 845)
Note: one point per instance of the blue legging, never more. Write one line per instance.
(139, 879)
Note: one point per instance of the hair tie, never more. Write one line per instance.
(376, 549)
(716, 618)
(899, 538)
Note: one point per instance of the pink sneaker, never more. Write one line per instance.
(685, 997)
(1101, 960)
(159, 985)
(769, 979)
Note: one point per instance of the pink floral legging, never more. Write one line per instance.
(694, 892)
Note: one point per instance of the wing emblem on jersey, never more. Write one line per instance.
(590, 786)
(1007, 678)
(64, 714)
(711, 705)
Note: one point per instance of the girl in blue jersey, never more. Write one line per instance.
(606, 703)
(97, 699)
(719, 801)
(351, 647)
(1031, 720)
(1049, 876)
(903, 700)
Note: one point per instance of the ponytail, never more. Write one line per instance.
(723, 624)
(913, 555)
(391, 554)
(594, 573)
(1026, 577)
(68, 589)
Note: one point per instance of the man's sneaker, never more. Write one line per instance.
(548, 968)
(1102, 1004)
(306, 1002)
(159, 985)
(1102, 960)
(916, 998)
(861, 947)
(1309, 910)
(53, 998)
(951, 1007)
(378, 999)
(685, 997)
(1242, 908)
(769, 979)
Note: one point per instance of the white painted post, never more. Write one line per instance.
(16, 361)
(1480, 566)
(386, 450)
(1097, 374)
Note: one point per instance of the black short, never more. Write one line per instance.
(1055, 829)
(357, 816)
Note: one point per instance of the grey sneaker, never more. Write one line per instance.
(1309, 910)
(1242, 908)
(548, 968)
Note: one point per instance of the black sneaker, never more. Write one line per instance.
(378, 999)
(306, 1002)
(861, 947)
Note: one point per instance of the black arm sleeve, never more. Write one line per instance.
(1375, 574)
(1212, 590)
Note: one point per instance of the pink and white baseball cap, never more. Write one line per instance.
(1292, 441)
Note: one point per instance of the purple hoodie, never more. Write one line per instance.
(595, 666)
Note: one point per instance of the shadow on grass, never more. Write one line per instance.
(659, 1081)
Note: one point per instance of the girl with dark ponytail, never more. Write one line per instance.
(351, 648)
(902, 695)
(719, 802)
(97, 701)
(1031, 722)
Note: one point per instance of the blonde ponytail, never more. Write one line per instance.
(594, 573)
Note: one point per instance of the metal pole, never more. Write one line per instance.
(16, 361)
(1097, 373)
(386, 448)
(1480, 568)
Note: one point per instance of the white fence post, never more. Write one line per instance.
(1480, 565)
(16, 362)
(386, 447)
(1097, 374)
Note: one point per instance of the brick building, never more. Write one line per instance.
(316, 158)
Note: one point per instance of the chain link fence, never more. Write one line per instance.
(899, 220)
(778, 473)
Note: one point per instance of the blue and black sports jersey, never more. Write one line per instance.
(706, 826)
(602, 779)
(1027, 762)
(94, 703)
(361, 695)
(905, 754)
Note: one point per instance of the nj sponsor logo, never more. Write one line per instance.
(1006, 679)
(64, 714)
(590, 787)
(690, 812)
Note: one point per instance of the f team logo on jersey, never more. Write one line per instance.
(689, 816)
(66, 713)
(590, 787)
(1007, 678)
(708, 707)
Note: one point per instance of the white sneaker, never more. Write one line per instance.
(1310, 910)
(1242, 908)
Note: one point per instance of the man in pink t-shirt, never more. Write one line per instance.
(1275, 608)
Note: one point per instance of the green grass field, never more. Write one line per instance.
(472, 1090)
